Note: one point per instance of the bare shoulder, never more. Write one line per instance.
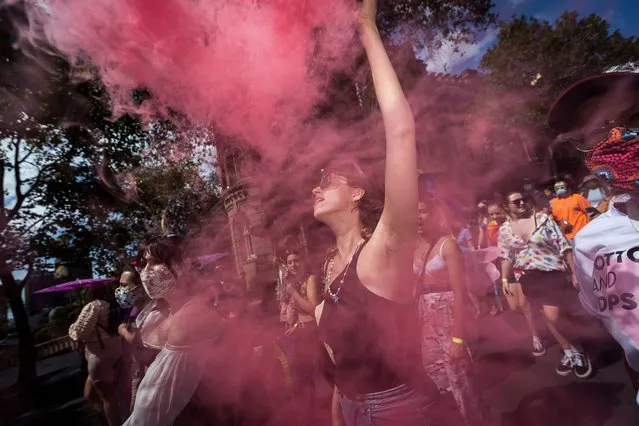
(449, 247)
(195, 323)
(386, 269)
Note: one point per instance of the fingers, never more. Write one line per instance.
(506, 289)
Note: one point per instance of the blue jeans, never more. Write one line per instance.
(400, 406)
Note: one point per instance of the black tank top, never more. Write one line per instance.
(375, 342)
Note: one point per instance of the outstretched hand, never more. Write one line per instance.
(367, 15)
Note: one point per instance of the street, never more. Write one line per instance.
(518, 388)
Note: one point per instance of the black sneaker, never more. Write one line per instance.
(565, 366)
(581, 364)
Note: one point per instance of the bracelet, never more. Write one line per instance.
(505, 280)
(458, 340)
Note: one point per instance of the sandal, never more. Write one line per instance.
(493, 310)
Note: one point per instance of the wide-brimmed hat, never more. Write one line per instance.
(563, 115)
(589, 178)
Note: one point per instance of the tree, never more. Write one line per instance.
(429, 22)
(533, 61)
(51, 167)
(56, 132)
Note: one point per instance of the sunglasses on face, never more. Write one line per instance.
(519, 202)
(329, 180)
(351, 172)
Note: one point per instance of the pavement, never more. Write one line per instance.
(519, 390)
(523, 390)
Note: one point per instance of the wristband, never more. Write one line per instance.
(504, 280)
(458, 340)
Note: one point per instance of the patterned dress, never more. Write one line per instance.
(435, 307)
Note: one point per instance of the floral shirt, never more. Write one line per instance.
(544, 251)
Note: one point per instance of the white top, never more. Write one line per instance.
(168, 385)
(607, 264)
(148, 320)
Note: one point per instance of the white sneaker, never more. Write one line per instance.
(565, 365)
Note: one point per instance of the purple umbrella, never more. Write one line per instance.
(205, 260)
(74, 285)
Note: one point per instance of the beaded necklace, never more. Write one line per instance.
(335, 296)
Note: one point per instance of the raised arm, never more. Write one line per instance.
(399, 220)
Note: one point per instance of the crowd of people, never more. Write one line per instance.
(383, 321)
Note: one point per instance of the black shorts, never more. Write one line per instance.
(543, 288)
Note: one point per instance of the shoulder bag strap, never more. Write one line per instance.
(420, 279)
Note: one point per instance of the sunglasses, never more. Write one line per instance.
(519, 202)
(350, 171)
(329, 181)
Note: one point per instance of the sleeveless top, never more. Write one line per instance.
(433, 277)
(374, 342)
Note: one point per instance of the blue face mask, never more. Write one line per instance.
(561, 191)
(125, 297)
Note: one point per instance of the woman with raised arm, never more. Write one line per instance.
(368, 321)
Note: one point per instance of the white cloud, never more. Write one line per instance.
(450, 57)
(517, 2)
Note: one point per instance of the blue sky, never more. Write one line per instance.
(619, 13)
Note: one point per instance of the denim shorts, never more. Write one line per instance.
(400, 406)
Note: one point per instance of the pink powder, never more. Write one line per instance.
(243, 66)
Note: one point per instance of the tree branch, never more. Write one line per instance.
(23, 159)
(25, 280)
(3, 211)
(16, 172)
(20, 197)
(25, 231)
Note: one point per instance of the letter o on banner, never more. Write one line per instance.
(632, 254)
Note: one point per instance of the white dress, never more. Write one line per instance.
(168, 385)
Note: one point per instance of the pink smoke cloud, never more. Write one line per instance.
(247, 67)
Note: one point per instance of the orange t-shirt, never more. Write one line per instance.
(492, 233)
(573, 210)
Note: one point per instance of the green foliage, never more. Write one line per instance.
(59, 138)
(534, 61)
(429, 22)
